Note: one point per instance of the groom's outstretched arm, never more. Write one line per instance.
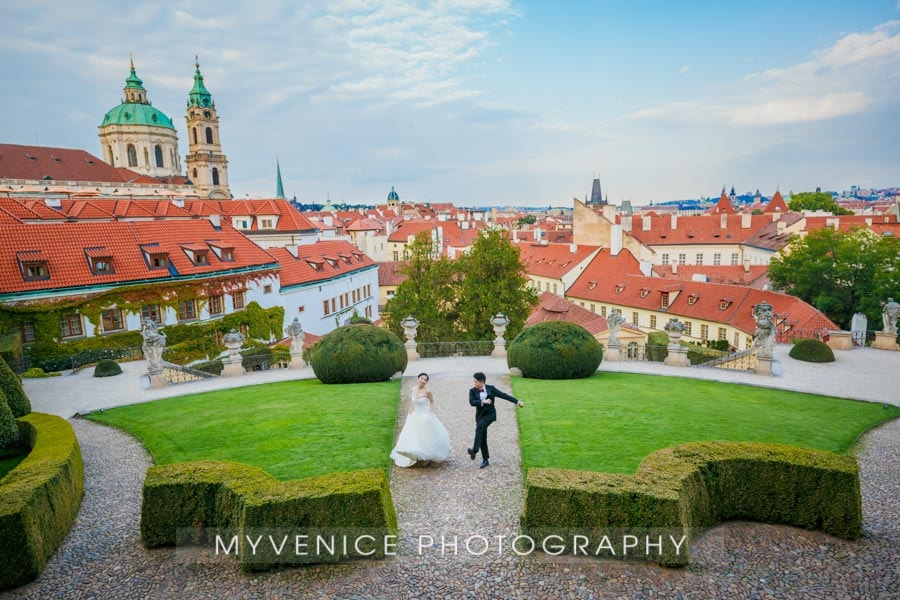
(504, 395)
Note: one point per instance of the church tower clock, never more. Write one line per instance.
(207, 167)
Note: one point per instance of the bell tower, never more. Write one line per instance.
(207, 167)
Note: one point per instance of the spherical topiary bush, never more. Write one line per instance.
(812, 351)
(358, 354)
(555, 350)
(12, 388)
(107, 368)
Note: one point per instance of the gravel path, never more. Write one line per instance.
(102, 556)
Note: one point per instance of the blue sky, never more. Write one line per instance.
(492, 102)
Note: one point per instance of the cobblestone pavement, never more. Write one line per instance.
(102, 556)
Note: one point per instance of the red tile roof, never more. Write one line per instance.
(410, 228)
(754, 276)
(776, 204)
(61, 164)
(65, 247)
(551, 307)
(389, 273)
(297, 270)
(701, 229)
(722, 206)
(553, 260)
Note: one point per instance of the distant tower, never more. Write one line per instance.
(732, 196)
(279, 187)
(393, 201)
(137, 136)
(207, 167)
(596, 193)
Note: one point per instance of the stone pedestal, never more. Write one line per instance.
(613, 353)
(410, 327)
(764, 366)
(500, 321)
(677, 356)
(885, 340)
(232, 366)
(156, 380)
(297, 361)
(840, 340)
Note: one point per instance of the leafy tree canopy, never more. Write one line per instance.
(816, 201)
(840, 272)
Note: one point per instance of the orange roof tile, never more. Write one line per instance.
(296, 270)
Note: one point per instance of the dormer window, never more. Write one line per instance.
(266, 224)
(592, 284)
(197, 253)
(620, 287)
(692, 299)
(33, 265)
(201, 258)
(664, 300)
(644, 292)
(100, 260)
(725, 303)
(224, 253)
(316, 265)
(159, 261)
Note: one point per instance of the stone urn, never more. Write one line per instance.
(410, 326)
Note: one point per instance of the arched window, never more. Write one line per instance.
(109, 155)
(159, 156)
(146, 158)
(195, 174)
(132, 156)
(215, 176)
(209, 139)
(195, 134)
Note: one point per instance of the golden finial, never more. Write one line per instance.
(197, 62)
(131, 59)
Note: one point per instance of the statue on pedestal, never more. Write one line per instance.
(764, 337)
(615, 320)
(154, 344)
(296, 332)
(890, 314)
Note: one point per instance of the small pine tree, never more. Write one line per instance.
(12, 388)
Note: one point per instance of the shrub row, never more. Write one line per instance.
(39, 498)
(194, 501)
(677, 491)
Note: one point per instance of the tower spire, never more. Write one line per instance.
(279, 187)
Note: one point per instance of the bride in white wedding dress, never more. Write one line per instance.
(423, 437)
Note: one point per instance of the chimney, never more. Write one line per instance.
(674, 221)
(609, 212)
(776, 216)
(746, 265)
(515, 236)
(627, 223)
(780, 226)
(216, 221)
(573, 248)
(746, 220)
(615, 242)
(723, 221)
(674, 268)
(645, 223)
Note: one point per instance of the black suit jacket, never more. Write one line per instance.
(492, 394)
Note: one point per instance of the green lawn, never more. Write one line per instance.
(611, 421)
(292, 430)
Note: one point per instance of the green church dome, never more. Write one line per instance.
(137, 114)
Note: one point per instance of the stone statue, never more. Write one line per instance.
(615, 320)
(890, 314)
(154, 344)
(764, 337)
(296, 332)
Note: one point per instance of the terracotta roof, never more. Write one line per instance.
(722, 206)
(553, 260)
(297, 270)
(365, 224)
(776, 204)
(410, 228)
(64, 246)
(754, 276)
(551, 307)
(774, 236)
(701, 229)
(61, 164)
(389, 274)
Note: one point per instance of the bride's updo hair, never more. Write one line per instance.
(427, 378)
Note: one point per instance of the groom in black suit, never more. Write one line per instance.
(481, 396)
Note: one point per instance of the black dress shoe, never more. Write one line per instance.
(471, 453)
(484, 464)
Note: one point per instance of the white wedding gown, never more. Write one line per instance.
(423, 436)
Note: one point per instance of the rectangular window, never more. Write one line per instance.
(201, 259)
(333, 305)
(593, 308)
(704, 332)
(665, 259)
(152, 312)
(698, 259)
(227, 255)
(216, 305)
(723, 335)
(159, 261)
(682, 259)
(554, 288)
(112, 320)
(36, 271)
(602, 311)
(26, 332)
(737, 339)
(102, 266)
(187, 310)
(368, 312)
(342, 304)
(301, 309)
(396, 256)
(238, 298)
(325, 310)
(652, 321)
(687, 328)
(634, 319)
(267, 289)
(70, 325)
(664, 300)
(717, 259)
(734, 261)
(266, 224)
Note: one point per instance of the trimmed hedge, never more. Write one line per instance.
(9, 432)
(555, 350)
(195, 501)
(39, 498)
(39, 373)
(11, 387)
(107, 368)
(358, 354)
(812, 351)
(678, 490)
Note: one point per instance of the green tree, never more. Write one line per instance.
(840, 273)
(428, 293)
(494, 282)
(526, 220)
(816, 201)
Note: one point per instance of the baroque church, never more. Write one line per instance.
(141, 138)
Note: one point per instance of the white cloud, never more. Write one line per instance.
(684, 69)
(798, 110)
